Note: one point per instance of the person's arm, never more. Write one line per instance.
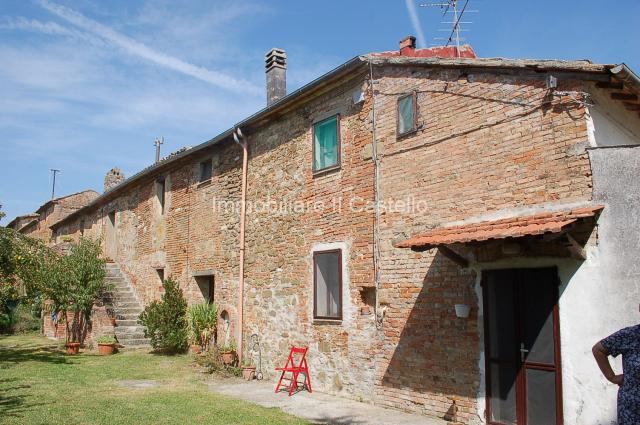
(602, 358)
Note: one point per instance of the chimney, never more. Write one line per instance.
(408, 46)
(276, 69)
(113, 178)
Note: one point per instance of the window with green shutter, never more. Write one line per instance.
(326, 144)
(406, 114)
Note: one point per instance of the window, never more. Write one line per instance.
(206, 170)
(326, 144)
(160, 187)
(207, 287)
(327, 284)
(406, 114)
(160, 272)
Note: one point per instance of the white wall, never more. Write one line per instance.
(609, 122)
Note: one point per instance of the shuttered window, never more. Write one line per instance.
(326, 144)
(406, 114)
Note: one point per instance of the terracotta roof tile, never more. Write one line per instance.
(513, 227)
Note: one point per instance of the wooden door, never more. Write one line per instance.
(111, 235)
(522, 347)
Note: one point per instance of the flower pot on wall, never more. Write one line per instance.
(106, 349)
(73, 347)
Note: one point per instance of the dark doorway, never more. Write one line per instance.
(111, 235)
(207, 287)
(522, 347)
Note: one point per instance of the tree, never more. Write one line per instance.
(1, 213)
(21, 271)
(76, 283)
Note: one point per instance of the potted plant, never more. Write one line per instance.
(112, 316)
(248, 370)
(72, 347)
(202, 319)
(228, 353)
(107, 344)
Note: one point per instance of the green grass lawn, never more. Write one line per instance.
(41, 385)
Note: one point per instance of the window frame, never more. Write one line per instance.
(340, 285)
(338, 163)
(414, 124)
(200, 164)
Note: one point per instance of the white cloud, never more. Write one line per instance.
(415, 21)
(138, 49)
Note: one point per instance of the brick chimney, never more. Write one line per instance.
(408, 46)
(113, 178)
(276, 69)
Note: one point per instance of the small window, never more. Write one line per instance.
(160, 193)
(160, 274)
(326, 144)
(406, 114)
(207, 287)
(327, 284)
(206, 170)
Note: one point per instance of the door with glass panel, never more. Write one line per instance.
(522, 347)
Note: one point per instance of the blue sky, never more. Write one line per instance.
(87, 85)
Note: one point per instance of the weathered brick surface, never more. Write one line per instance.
(485, 142)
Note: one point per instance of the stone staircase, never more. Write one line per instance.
(123, 301)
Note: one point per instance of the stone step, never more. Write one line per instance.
(125, 336)
(126, 322)
(139, 342)
(128, 304)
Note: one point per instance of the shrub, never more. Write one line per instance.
(212, 362)
(202, 319)
(25, 318)
(107, 339)
(165, 320)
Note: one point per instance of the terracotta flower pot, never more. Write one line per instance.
(248, 372)
(73, 347)
(195, 349)
(106, 349)
(228, 357)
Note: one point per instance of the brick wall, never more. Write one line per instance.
(485, 142)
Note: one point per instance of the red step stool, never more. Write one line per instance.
(295, 370)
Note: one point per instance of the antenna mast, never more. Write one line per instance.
(452, 7)
(53, 188)
(159, 141)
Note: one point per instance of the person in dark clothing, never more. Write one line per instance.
(626, 342)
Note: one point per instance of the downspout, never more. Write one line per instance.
(378, 313)
(240, 140)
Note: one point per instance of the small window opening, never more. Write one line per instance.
(207, 287)
(326, 144)
(206, 170)
(160, 193)
(160, 274)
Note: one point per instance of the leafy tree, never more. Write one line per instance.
(76, 283)
(1, 213)
(166, 321)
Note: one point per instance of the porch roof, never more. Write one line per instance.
(512, 227)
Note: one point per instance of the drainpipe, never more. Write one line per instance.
(240, 140)
(378, 312)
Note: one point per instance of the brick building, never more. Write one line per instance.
(448, 234)
(37, 224)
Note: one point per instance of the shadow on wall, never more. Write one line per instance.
(436, 353)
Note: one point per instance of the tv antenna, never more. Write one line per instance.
(53, 188)
(451, 9)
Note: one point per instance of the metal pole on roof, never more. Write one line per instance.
(53, 189)
(159, 141)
